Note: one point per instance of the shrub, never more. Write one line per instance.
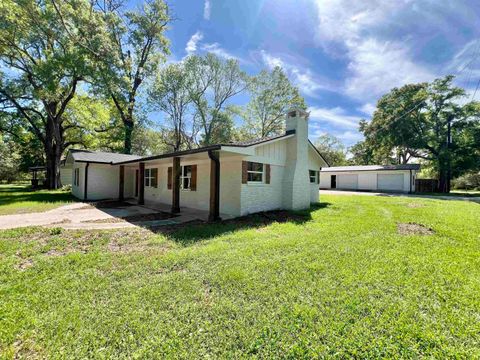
(67, 188)
(470, 181)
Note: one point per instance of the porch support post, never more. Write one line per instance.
(214, 213)
(121, 183)
(141, 184)
(176, 185)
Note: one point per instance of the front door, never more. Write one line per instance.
(333, 181)
(136, 183)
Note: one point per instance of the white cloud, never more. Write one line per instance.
(207, 10)
(376, 64)
(367, 109)
(216, 49)
(376, 67)
(301, 77)
(191, 47)
(349, 137)
(334, 116)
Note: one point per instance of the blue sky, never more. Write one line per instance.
(343, 55)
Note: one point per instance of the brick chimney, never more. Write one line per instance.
(296, 189)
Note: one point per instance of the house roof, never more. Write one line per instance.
(372, 168)
(115, 158)
(100, 157)
(240, 144)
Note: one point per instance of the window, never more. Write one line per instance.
(186, 177)
(255, 172)
(151, 177)
(313, 176)
(76, 177)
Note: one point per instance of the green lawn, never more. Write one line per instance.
(338, 281)
(18, 199)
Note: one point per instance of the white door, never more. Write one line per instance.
(390, 182)
(349, 182)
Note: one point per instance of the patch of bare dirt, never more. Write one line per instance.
(86, 207)
(413, 229)
(24, 264)
(105, 221)
(63, 221)
(130, 247)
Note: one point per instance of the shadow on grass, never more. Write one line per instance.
(189, 233)
(17, 194)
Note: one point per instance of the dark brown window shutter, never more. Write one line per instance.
(154, 175)
(244, 172)
(267, 173)
(318, 177)
(193, 183)
(169, 180)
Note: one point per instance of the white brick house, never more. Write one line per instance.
(281, 172)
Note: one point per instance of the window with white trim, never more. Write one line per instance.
(186, 177)
(313, 176)
(149, 177)
(255, 172)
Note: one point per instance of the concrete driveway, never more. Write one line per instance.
(85, 216)
(367, 193)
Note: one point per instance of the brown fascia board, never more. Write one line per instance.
(172, 154)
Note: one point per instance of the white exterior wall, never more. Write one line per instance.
(256, 197)
(199, 199)
(103, 182)
(66, 175)
(367, 180)
(296, 179)
(230, 184)
(314, 163)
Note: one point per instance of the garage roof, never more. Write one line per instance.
(372, 168)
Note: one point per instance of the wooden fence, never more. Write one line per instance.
(426, 185)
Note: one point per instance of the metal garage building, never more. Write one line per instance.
(390, 178)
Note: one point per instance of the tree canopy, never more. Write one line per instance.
(425, 121)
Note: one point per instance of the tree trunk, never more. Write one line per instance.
(127, 147)
(53, 154)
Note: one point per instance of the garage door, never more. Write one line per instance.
(390, 182)
(347, 182)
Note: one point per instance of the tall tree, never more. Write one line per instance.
(430, 121)
(127, 48)
(42, 69)
(213, 82)
(170, 94)
(332, 149)
(271, 95)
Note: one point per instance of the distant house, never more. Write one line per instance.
(394, 178)
(233, 179)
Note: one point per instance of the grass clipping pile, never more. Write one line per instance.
(413, 229)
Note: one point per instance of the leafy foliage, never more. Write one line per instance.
(271, 96)
(332, 149)
(415, 120)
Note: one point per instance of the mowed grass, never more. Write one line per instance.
(338, 282)
(19, 199)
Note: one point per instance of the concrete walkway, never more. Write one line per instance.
(367, 193)
(84, 216)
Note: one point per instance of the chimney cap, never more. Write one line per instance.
(297, 112)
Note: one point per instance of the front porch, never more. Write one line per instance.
(187, 186)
